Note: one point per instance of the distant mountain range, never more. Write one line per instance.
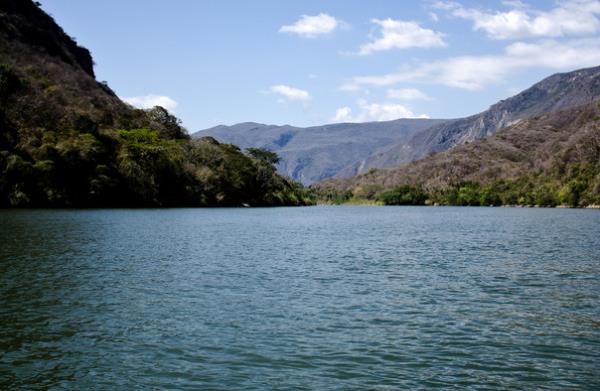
(311, 154)
(344, 150)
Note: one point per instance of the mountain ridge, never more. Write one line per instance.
(549, 160)
(44, 34)
(310, 154)
(555, 92)
(347, 157)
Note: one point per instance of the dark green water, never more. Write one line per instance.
(300, 298)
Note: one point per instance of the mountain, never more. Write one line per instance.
(559, 91)
(546, 160)
(344, 150)
(315, 153)
(68, 140)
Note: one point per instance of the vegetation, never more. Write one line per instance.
(403, 195)
(59, 158)
(551, 160)
(575, 185)
(67, 140)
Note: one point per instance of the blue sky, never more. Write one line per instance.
(314, 62)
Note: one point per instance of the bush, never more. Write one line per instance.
(403, 195)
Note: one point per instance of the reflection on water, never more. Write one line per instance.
(308, 298)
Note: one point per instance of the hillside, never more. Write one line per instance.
(547, 160)
(68, 140)
(557, 92)
(344, 150)
(315, 153)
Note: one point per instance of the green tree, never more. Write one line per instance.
(168, 125)
(264, 155)
(404, 195)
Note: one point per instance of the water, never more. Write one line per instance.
(300, 298)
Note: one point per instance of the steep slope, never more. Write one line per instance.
(318, 152)
(343, 150)
(559, 91)
(555, 156)
(67, 140)
(52, 68)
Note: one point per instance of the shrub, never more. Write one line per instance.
(403, 195)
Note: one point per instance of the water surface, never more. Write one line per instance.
(300, 298)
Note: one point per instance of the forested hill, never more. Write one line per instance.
(68, 140)
(550, 160)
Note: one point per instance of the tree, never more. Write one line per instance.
(168, 125)
(264, 155)
(404, 195)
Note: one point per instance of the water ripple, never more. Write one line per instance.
(300, 298)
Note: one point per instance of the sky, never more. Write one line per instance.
(308, 63)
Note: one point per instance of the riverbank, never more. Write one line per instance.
(368, 202)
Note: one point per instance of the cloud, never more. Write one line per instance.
(290, 93)
(475, 72)
(570, 17)
(342, 114)
(312, 26)
(151, 100)
(374, 112)
(397, 34)
(407, 94)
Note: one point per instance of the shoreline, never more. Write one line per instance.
(379, 203)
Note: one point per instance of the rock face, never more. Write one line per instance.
(59, 85)
(557, 92)
(22, 21)
(315, 153)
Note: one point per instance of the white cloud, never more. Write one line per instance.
(312, 26)
(570, 17)
(434, 16)
(475, 72)
(290, 93)
(374, 112)
(151, 100)
(398, 34)
(342, 114)
(407, 94)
